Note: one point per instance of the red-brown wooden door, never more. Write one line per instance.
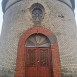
(38, 62)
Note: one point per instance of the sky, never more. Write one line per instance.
(1, 14)
(76, 10)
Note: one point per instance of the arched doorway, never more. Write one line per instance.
(23, 48)
(38, 57)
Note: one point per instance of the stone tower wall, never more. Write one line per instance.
(59, 18)
(13, 1)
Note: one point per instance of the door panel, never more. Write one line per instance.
(31, 64)
(43, 59)
(31, 57)
(45, 63)
(38, 62)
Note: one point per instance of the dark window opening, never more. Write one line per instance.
(37, 11)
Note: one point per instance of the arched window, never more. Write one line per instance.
(37, 14)
(37, 40)
(37, 11)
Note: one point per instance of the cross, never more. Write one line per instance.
(37, 14)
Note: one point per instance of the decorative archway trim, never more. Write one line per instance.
(20, 65)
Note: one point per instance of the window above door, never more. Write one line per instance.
(37, 40)
(37, 12)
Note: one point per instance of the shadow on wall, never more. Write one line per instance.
(6, 73)
(67, 73)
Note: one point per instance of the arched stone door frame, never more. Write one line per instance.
(20, 65)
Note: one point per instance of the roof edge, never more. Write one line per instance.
(73, 4)
(4, 3)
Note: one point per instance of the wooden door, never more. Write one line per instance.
(38, 62)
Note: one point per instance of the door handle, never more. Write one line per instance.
(38, 61)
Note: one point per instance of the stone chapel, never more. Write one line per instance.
(38, 39)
